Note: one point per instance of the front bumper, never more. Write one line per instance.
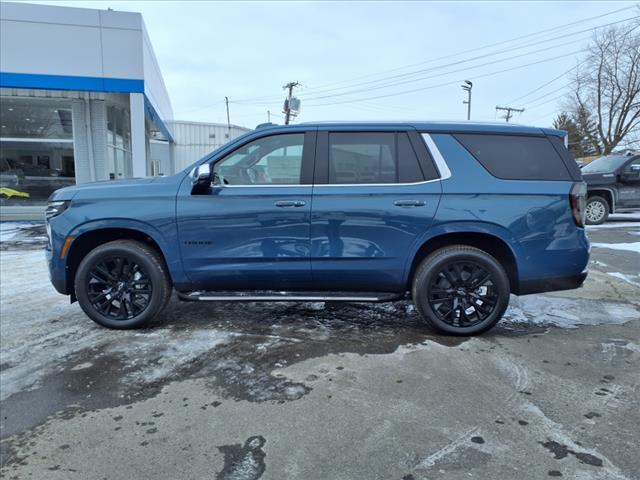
(57, 272)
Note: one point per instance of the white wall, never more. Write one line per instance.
(43, 39)
(194, 140)
(154, 87)
(81, 42)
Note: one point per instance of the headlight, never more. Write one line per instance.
(55, 208)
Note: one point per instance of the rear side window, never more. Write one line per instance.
(372, 157)
(569, 161)
(516, 157)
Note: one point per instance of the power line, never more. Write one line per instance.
(547, 102)
(490, 54)
(413, 80)
(507, 116)
(464, 69)
(543, 85)
(447, 83)
(502, 42)
(321, 89)
(550, 93)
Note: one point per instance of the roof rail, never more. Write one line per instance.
(265, 125)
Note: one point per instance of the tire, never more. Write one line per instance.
(126, 300)
(596, 210)
(468, 306)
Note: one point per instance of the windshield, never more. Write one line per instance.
(604, 164)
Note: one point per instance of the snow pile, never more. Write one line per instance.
(625, 278)
(566, 312)
(631, 247)
(23, 232)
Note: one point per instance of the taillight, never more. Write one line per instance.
(578, 201)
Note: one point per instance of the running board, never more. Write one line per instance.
(273, 296)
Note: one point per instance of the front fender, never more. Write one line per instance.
(164, 239)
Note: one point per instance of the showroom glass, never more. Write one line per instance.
(274, 160)
(36, 149)
(119, 142)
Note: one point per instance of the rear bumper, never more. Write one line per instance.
(540, 285)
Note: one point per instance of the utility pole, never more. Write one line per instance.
(269, 116)
(507, 116)
(226, 101)
(467, 88)
(287, 103)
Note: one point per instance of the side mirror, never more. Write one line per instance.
(201, 179)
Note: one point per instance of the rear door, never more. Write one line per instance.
(250, 231)
(374, 193)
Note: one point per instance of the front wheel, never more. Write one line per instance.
(596, 210)
(461, 290)
(122, 284)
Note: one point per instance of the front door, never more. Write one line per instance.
(629, 186)
(250, 231)
(375, 193)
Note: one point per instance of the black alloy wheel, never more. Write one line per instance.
(461, 290)
(463, 294)
(118, 288)
(123, 284)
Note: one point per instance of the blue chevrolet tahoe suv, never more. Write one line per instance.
(457, 216)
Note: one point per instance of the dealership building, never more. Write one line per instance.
(82, 99)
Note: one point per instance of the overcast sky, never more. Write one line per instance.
(346, 51)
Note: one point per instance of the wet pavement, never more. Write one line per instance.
(315, 390)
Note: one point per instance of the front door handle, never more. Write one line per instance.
(409, 203)
(290, 203)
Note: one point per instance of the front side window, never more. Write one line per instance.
(274, 160)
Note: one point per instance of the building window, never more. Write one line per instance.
(36, 149)
(118, 143)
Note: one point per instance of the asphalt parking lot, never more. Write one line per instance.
(322, 391)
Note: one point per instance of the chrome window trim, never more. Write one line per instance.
(374, 184)
(270, 185)
(441, 164)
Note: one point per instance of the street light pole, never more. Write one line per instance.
(467, 87)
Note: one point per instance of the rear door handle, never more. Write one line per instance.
(290, 203)
(409, 203)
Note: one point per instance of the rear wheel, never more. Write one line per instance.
(461, 290)
(596, 210)
(122, 284)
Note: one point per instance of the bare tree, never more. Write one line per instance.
(606, 97)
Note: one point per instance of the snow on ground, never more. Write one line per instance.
(631, 247)
(625, 278)
(41, 331)
(22, 232)
(8, 230)
(625, 216)
(614, 225)
(567, 312)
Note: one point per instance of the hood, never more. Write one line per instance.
(112, 186)
(599, 178)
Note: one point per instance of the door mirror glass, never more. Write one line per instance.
(201, 178)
